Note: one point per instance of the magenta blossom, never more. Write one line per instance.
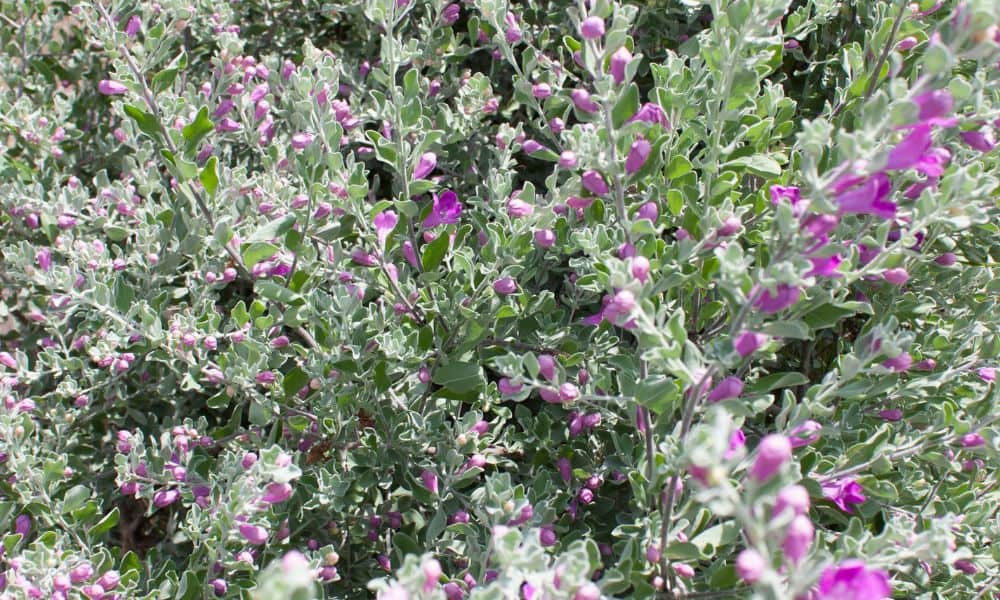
(384, 223)
(825, 267)
(749, 342)
(650, 113)
(805, 434)
(933, 108)
(899, 364)
(773, 452)
(426, 164)
(592, 28)
(868, 197)
(505, 286)
(619, 61)
(594, 182)
(844, 493)
(581, 99)
(108, 87)
(430, 480)
(445, 211)
(783, 296)
(638, 154)
(730, 387)
(853, 580)
(255, 534)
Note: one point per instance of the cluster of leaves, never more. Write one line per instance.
(319, 299)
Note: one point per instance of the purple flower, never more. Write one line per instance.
(133, 26)
(869, 197)
(227, 125)
(638, 154)
(426, 164)
(430, 480)
(165, 498)
(445, 211)
(825, 267)
(619, 61)
(910, 149)
(22, 525)
(987, 374)
(853, 580)
(547, 536)
(44, 259)
(547, 366)
(649, 211)
(255, 534)
(804, 434)
(276, 493)
(798, 539)
(108, 87)
(773, 452)
(750, 565)
(651, 113)
(531, 146)
(844, 493)
(505, 286)
(933, 106)
(384, 223)
(794, 498)
(730, 387)
(972, 440)
(582, 101)
(518, 208)
(592, 28)
(545, 238)
(594, 182)
(507, 387)
(737, 439)
(899, 364)
(983, 140)
(300, 141)
(450, 13)
(896, 276)
(749, 342)
(783, 296)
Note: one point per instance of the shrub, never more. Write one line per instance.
(487, 299)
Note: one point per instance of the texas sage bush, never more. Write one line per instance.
(487, 299)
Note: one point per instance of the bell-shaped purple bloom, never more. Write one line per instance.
(750, 565)
(783, 296)
(430, 480)
(581, 99)
(255, 534)
(505, 286)
(869, 198)
(384, 223)
(748, 342)
(844, 493)
(594, 182)
(108, 87)
(804, 434)
(651, 113)
(638, 154)
(934, 106)
(619, 61)
(730, 387)
(910, 149)
(983, 139)
(445, 211)
(853, 580)
(276, 493)
(794, 498)
(165, 498)
(426, 164)
(825, 267)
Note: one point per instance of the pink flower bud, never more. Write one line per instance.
(896, 276)
(640, 268)
(541, 90)
(507, 387)
(773, 452)
(567, 159)
(649, 211)
(730, 387)
(594, 182)
(276, 493)
(899, 364)
(804, 434)
(750, 565)
(794, 498)
(638, 154)
(748, 342)
(730, 226)
(547, 536)
(619, 61)
(798, 539)
(545, 238)
(430, 480)
(108, 87)
(255, 534)
(581, 99)
(592, 28)
(505, 286)
(165, 498)
(683, 570)
(946, 260)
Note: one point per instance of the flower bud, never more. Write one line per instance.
(773, 452)
(619, 61)
(798, 539)
(750, 566)
(592, 28)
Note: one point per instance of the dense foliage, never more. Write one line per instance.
(487, 299)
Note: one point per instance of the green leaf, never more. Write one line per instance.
(435, 252)
(106, 524)
(147, 123)
(293, 381)
(258, 251)
(208, 176)
(276, 292)
(274, 229)
(758, 164)
(435, 527)
(626, 106)
(164, 79)
(75, 498)
(796, 330)
(183, 169)
(679, 166)
(460, 377)
(197, 130)
(658, 394)
(778, 380)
